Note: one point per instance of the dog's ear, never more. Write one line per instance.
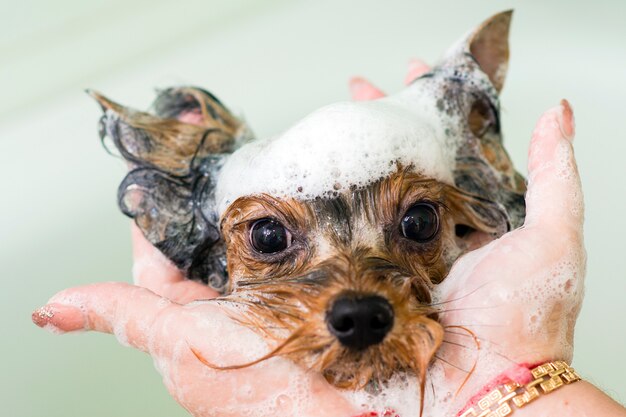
(488, 45)
(174, 157)
(469, 79)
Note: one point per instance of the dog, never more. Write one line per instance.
(331, 236)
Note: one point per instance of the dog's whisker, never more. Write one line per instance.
(481, 339)
(503, 356)
(455, 344)
(461, 297)
(478, 339)
(476, 325)
(269, 355)
(471, 333)
(469, 373)
(466, 309)
(451, 364)
(477, 343)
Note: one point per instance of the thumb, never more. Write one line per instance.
(554, 199)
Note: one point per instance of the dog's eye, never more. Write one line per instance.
(482, 117)
(420, 223)
(269, 236)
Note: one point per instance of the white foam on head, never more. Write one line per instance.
(340, 146)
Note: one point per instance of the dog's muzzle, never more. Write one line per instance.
(360, 321)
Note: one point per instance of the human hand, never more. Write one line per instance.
(489, 306)
(514, 302)
(168, 331)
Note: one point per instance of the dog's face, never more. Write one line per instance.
(345, 281)
(333, 234)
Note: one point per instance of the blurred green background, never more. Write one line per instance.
(273, 62)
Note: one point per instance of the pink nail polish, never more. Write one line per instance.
(566, 120)
(59, 317)
(42, 315)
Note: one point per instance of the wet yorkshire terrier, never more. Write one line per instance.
(333, 234)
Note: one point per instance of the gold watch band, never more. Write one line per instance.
(499, 401)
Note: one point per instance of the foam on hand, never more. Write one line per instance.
(343, 146)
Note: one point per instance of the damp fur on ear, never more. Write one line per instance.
(470, 77)
(174, 157)
(488, 46)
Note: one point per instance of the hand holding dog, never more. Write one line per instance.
(498, 292)
(168, 331)
(513, 303)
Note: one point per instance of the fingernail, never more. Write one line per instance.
(59, 317)
(42, 316)
(566, 120)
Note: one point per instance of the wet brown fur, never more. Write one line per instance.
(349, 245)
(173, 144)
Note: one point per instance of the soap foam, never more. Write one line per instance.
(342, 146)
(400, 395)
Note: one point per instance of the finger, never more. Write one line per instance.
(417, 68)
(121, 309)
(362, 90)
(152, 270)
(554, 198)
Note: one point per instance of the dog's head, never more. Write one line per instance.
(332, 234)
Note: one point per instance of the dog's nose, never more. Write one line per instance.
(360, 321)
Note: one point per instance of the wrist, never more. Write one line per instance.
(581, 398)
(519, 387)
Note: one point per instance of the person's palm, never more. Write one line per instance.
(170, 332)
(513, 303)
